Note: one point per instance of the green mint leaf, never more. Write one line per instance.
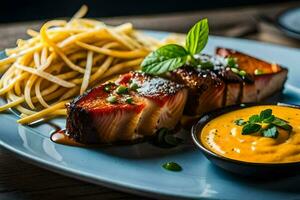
(282, 124)
(197, 37)
(250, 128)
(240, 122)
(166, 58)
(254, 119)
(265, 117)
(265, 114)
(270, 132)
(279, 122)
(269, 119)
(172, 166)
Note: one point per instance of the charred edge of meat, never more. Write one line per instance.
(79, 123)
(249, 63)
(199, 82)
(155, 86)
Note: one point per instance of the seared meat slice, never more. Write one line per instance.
(90, 115)
(108, 114)
(233, 92)
(206, 89)
(238, 89)
(249, 93)
(268, 84)
(233, 84)
(247, 62)
(165, 101)
(269, 79)
(220, 86)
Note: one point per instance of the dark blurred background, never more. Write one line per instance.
(24, 10)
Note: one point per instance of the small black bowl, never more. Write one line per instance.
(258, 170)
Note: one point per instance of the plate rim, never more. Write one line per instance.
(68, 172)
(282, 26)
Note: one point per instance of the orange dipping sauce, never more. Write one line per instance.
(222, 136)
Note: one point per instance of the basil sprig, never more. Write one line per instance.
(271, 124)
(197, 37)
(166, 139)
(172, 166)
(172, 56)
(164, 59)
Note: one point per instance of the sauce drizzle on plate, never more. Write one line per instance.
(60, 137)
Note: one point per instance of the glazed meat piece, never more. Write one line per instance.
(206, 89)
(235, 84)
(220, 86)
(269, 78)
(134, 106)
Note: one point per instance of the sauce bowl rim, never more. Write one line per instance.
(204, 119)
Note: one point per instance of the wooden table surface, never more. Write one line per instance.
(20, 180)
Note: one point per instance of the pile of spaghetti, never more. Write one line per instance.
(63, 60)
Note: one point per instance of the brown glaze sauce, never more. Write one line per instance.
(60, 137)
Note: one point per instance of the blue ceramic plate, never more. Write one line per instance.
(289, 22)
(137, 168)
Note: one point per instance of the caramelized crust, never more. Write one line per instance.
(220, 86)
(271, 79)
(249, 63)
(206, 89)
(156, 103)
